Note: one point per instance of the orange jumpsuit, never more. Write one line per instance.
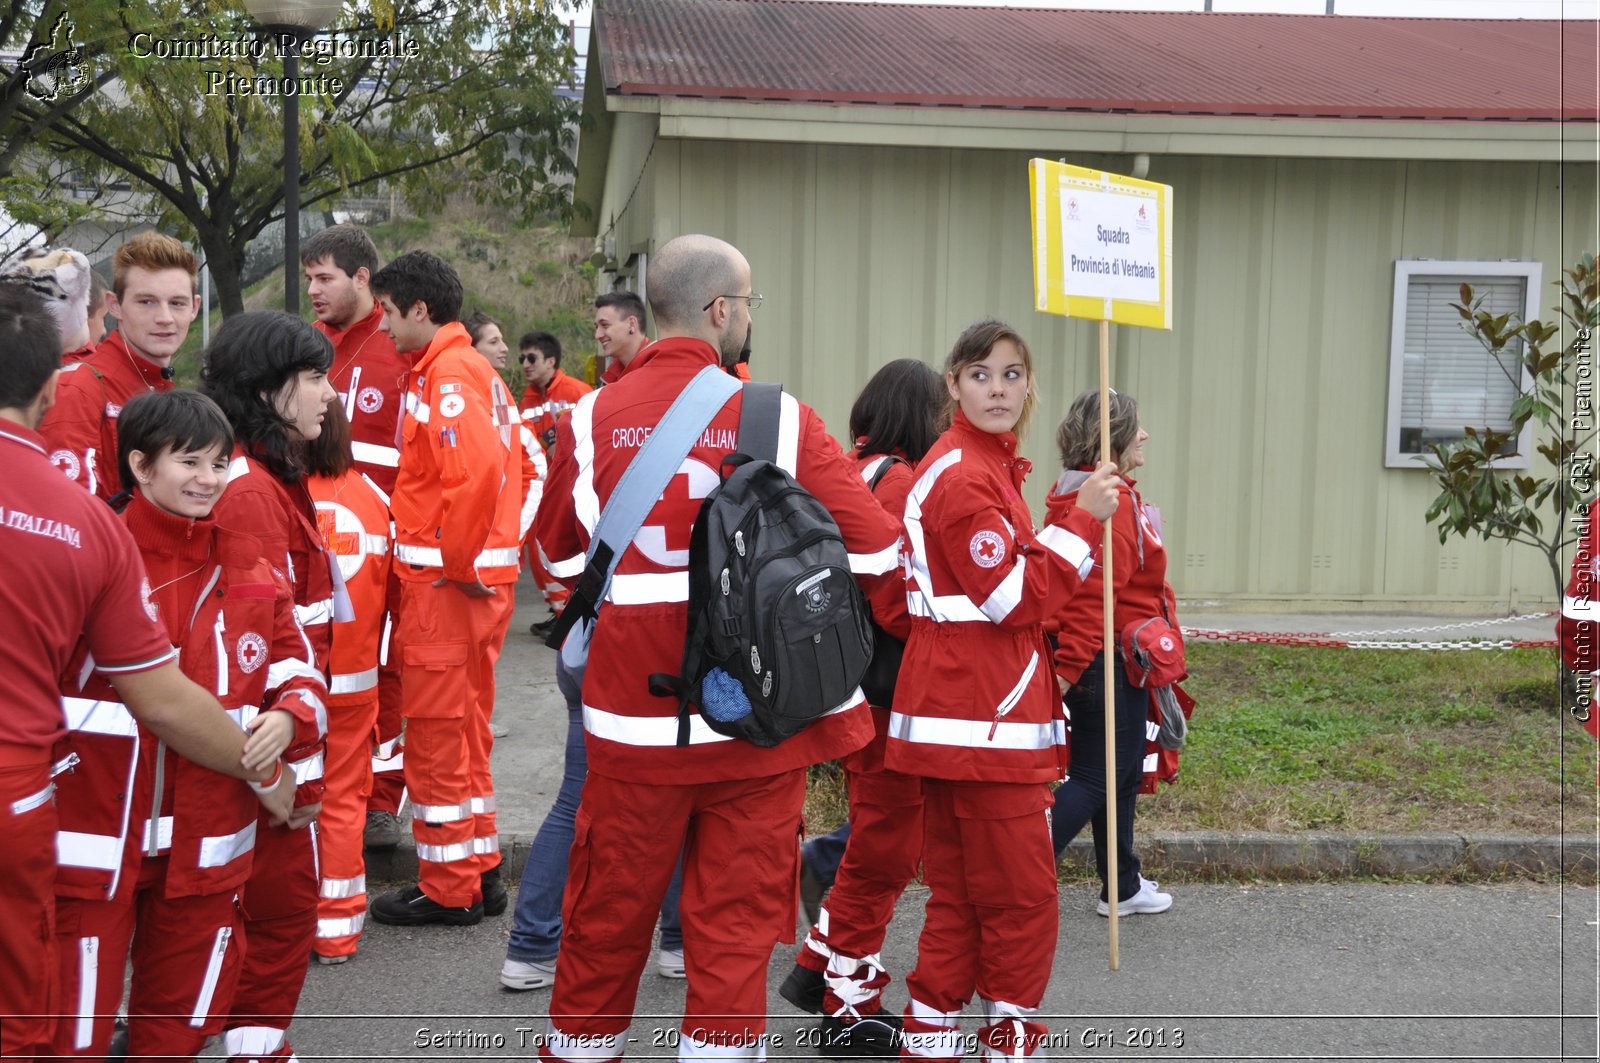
(353, 515)
(456, 509)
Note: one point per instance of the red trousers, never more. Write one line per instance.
(740, 845)
(280, 910)
(347, 776)
(450, 643)
(186, 953)
(884, 852)
(992, 918)
(28, 987)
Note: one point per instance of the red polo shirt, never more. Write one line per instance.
(72, 571)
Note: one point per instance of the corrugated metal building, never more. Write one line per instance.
(870, 160)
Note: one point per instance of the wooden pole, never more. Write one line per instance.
(1109, 647)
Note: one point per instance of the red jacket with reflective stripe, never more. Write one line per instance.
(542, 408)
(232, 620)
(353, 517)
(458, 499)
(891, 615)
(80, 430)
(977, 699)
(370, 376)
(642, 625)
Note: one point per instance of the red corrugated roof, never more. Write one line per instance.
(816, 51)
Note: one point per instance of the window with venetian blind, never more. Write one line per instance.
(1441, 379)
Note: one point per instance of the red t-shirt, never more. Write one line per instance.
(72, 572)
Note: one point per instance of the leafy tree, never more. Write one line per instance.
(443, 96)
(1513, 505)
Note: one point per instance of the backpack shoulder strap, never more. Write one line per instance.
(646, 476)
(889, 462)
(759, 412)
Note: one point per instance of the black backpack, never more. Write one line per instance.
(879, 682)
(779, 633)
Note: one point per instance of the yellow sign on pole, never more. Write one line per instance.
(1102, 245)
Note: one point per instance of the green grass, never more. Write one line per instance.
(1289, 738)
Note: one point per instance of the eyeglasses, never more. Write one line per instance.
(754, 299)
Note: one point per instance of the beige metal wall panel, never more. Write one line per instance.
(1266, 403)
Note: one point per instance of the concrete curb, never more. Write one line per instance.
(1248, 854)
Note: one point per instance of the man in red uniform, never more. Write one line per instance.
(619, 330)
(456, 508)
(740, 858)
(153, 300)
(550, 394)
(370, 377)
(75, 574)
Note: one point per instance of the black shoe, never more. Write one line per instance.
(495, 897)
(542, 628)
(412, 907)
(803, 988)
(874, 1036)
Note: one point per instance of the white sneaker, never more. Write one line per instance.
(669, 963)
(1148, 901)
(515, 974)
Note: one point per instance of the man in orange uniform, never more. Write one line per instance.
(370, 377)
(456, 547)
(153, 299)
(549, 394)
(353, 515)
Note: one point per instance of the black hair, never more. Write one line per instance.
(348, 245)
(420, 276)
(250, 358)
(545, 343)
(157, 421)
(627, 304)
(31, 345)
(898, 410)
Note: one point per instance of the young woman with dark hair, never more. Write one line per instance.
(1083, 664)
(976, 711)
(171, 902)
(269, 372)
(837, 973)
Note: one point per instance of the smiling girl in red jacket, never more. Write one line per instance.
(976, 712)
(154, 849)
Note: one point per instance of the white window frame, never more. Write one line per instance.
(1457, 272)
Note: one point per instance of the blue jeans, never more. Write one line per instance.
(536, 925)
(1082, 798)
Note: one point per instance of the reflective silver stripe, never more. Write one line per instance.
(943, 607)
(743, 1048)
(307, 770)
(567, 567)
(870, 468)
(383, 764)
(444, 854)
(102, 852)
(220, 850)
(314, 612)
(432, 557)
(585, 1047)
(876, 563)
(648, 588)
(376, 545)
(484, 846)
(417, 408)
(27, 804)
(1005, 597)
(339, 928)
(88, 981)
(374, 454)
(788, 433)
(237, 468)
(99, 717)
(920, 599)
(163, 838)
(280, 672)
(337, 888)
(318, 708)
(585, 502)
(1151, 762)
(222, 656)
(974, 734)
(663, 730)
(252, 1041)
(1579, 608)
(208, 987)
(442, 813)
(1069, 547)
(355, 682)
(930, 1016)
(482, 805)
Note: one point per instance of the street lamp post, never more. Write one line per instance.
(292, 23)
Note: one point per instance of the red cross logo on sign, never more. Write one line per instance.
(664, 538)
(251, 651)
